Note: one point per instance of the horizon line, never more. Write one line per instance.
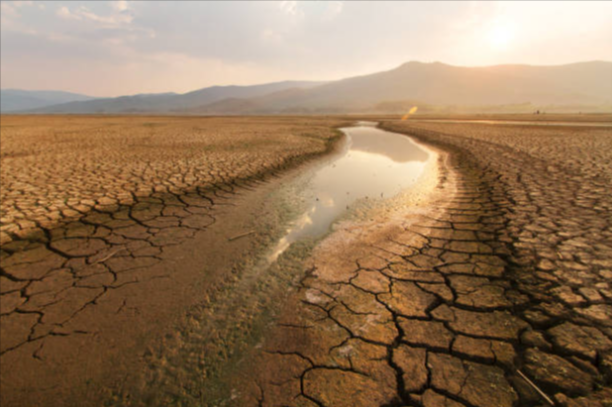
(322, 82)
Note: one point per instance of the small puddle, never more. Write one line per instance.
(373, 164)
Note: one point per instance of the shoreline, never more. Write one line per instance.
(285, 275)
(454, 308)
(369, 240)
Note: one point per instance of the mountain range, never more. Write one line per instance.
(427, 85)
(17, 100)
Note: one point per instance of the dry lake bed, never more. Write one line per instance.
(306, 261)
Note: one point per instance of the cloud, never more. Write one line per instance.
(10, 17)
(83, 13)
(291, 7)
(98, 27)
(255, 41)
(113, 20)
(10, 9)
(120, 5)
(64, 12)
(22, 3)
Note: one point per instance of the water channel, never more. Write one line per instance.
(372, 164)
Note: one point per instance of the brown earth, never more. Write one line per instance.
(113, 227)
(591, 118)
(497, 267)
(505, 273)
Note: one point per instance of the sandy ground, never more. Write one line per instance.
(504, 274)
(113, 227)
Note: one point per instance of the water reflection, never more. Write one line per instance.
(375, 164)
(391, 145)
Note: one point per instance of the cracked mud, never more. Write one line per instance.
(96, 218)
(506, 273)
(503, 271)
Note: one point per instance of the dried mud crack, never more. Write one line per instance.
(97, 216)
(504, 272)
(507, 274)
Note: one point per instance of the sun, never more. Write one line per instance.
(501, 36)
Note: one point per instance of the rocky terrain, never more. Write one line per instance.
(498, 295)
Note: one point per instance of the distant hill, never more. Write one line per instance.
(16, 99)
(429, 85)
(172, 102)
(588, 83)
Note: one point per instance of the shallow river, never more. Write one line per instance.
(373, 164)
(369, 166)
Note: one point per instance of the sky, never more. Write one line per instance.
(111, 48)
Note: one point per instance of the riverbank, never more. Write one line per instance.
(498, 295)
(198, 365)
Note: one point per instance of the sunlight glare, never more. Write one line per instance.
(501, 36)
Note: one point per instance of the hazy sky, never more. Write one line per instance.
(108, 48)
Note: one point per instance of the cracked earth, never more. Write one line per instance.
(497, 294)
(96, 214)
(501, 277)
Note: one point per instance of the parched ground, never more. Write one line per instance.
(95, 213)
(58, 168)
(496, 291)
(497, 294)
